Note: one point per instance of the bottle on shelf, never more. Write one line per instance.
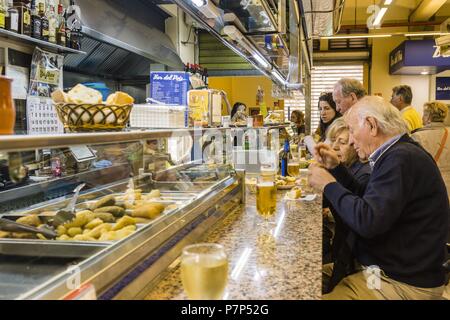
(68, 29)
(36, 22)
(52, 24)
(12, 17)
(206, 78)
(61, 32)
(73, 28)
(44, 22)
(3, 10)
(23, 8)
(285, 158)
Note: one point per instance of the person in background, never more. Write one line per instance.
(238, 113)
(400, 218)
(298, 122)
(337, 240)
(347, 92)
(401, 99)
(434, 137)
(328, 114)
(447, 120)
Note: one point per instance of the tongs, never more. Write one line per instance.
(68, 213)
(12, 226)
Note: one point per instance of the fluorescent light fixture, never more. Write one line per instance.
(387, 2)
(208, 9)
(278, 76)
(261, 60)
(237, 36)
(424, 73)
(199, 3)
(380, 16)
(357, 36)
(431, 33)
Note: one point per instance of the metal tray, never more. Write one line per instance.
(50, 248)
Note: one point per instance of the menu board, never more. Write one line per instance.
(443, 88)
(169, 87)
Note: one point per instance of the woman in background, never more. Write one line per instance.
(435, 137)
(238, 113)
(298, 122)
(328, 114)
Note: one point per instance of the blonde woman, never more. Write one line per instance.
(435, 137)
(338, 244)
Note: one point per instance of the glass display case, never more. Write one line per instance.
(145, 196)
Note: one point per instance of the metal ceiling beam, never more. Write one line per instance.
(426, 9)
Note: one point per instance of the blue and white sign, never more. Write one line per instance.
(170, 87)
(443, 88)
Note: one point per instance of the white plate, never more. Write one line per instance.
(309, 197)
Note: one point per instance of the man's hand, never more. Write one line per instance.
(326, 156)
(319, 178)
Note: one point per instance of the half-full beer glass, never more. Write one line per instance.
(204, 271)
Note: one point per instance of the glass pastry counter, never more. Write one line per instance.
(147, 194)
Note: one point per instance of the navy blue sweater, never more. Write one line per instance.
(401, 218)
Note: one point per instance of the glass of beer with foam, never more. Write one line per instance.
(204, 271)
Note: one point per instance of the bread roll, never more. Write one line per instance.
(119, 99)
(84, 95)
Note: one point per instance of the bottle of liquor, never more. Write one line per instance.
(2, 14)
(12, 17)
(36, 22)
(52, 24)
(73, 27)
(206, 78)
(68, 29)
(23, 7)
(44, 22)
(285, 158)
(61, 32)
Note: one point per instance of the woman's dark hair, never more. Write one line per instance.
(236, 108)
(300, 115)
(323, 127)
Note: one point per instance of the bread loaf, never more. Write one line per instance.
(83, 95)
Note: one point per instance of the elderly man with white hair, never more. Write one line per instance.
(347, 92)
(400, 220)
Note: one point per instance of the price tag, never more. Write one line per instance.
(82, 153)
(86, 292)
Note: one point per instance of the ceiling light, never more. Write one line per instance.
(431, 33)
(380, 16)
(424, 73)
(199, 3)
(356, 36)
(261, 60)
(238, 37)
(277, 75)
(387, 2)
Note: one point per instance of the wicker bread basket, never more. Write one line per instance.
(93, 117)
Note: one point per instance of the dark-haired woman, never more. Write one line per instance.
(328, 114)
(238, 113)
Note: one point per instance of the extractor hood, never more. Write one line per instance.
(120, 42)
(322, 18)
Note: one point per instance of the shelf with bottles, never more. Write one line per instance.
(41, 43)
(32, 24)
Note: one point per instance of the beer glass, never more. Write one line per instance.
(204, 271)
(293, 168)
(266, 200)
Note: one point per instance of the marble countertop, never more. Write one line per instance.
(282, 264)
